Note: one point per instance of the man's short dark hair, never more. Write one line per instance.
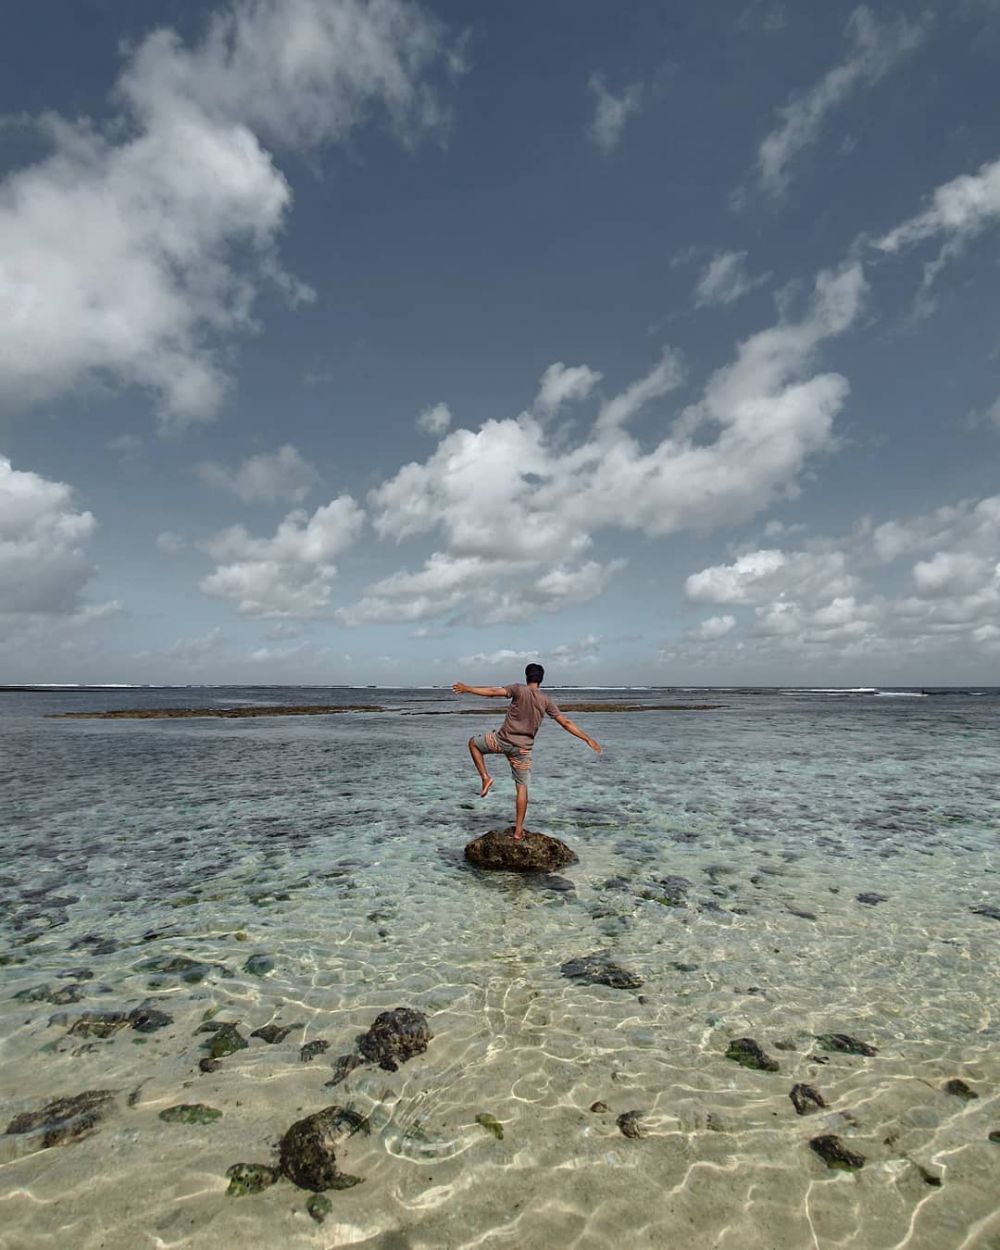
(534, 672)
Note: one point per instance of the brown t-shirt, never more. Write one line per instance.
(528, 705)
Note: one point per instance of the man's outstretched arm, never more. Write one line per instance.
(488, 692)
(570, 728)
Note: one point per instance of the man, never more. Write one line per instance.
(516, 735)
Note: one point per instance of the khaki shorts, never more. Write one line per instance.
(519, 758)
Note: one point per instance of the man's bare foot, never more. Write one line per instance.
(518, 835)
(486, 787)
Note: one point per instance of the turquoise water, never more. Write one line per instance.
(332, 845)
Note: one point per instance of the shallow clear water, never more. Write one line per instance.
(333, 845)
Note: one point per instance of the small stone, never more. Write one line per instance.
(148, 1019)
(491, 1124)
(991, 913)
(994, 1136)
(225, 1041)
(784, 1043)
(871, 899)
(835, 1154)
(680, 967)
(274, 1033)
(319, 1207)
(310, 1050)
(846, 1044)
(805, 1099)
(929, 1178)
(748, 1054)
(259, 965)
(190, 1113)
(802, 912)
(209, 1065)
(628, 1123)
(959, 1089)
(395, 1037)
(65, 1120)
(250, 1178)
(599, 969)
(599, 1107)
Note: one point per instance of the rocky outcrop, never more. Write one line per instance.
(535, 852)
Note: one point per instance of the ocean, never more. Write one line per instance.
(795, 867)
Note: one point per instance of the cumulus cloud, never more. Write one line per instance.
(434, 420)
(612, 111)
(44, 564)
(725, 279)
(876, 45)
(563, 384)
(131, 254)
(716, 627)
(289, 574)
(516, 508)
(282, 474)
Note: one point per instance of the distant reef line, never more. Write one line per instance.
(179, 713)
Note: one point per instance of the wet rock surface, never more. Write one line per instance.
(170, 968)
(872, 899)
(274, 1033)
(985, 909)
(225, 1040)
(394, 1037)
(959, 1089)
(535, 852)
(600, 969)
(190, 1113)
(491, 1124)
(310, 1050)
(259, 965)
(250, 1178)
(65, 1120)
(806, 1099)
(749, 1054)
(669, 891)
(845, 1044)
(835, 1154)
(308, 1149)
(629, 1124)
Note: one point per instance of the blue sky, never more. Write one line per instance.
(376, 342)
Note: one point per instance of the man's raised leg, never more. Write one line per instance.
(520, 808)
(480, 763)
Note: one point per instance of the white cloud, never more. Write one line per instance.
(44, 565)
(170, 543)
(716, 627)
(583, 651)
(563, 384)
(290, 574)
(612, 111)
(130, 256)
(725, 279)
(961, 208)
(434, 420)
(282, 474)
(876, 45)
(517, 506)
(950, 573)
(764, 574)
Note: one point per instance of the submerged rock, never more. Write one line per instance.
(846, 1044)
(991, 913)
(66, 1120)
(394, 1037)
(959, 1089)
(146, 1019)
(307, 1150)
(835, 1154)
(319, 1207)
(995, 1136)
(225, 1040)
(805, 1099)
(209, 1065)
(491, 1124)
(599, 969)
(274, 1033)
(92, 1023)
(344, 1066)
(669, 891)
(250, 1178)
(259, 965)
(628, 1123)
(190, 971)
(599, 1107)
(748, 1054)
(871, 899)
(310, 1050)
(535, 852)
(190, 1113)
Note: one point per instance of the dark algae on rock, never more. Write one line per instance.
(65, 1120)
(310, 1050)
(835, 1154)
(846, 1044)
(274, 1033)
(225, 1040)
(535, 852)
(629, 1124)
(959, 1089)
(491, 1124)
(190, 1113)
(748, 1053)
(250, 1178)
(805, 1099)
(394, 1037)
(600, 969)
(308, 1149)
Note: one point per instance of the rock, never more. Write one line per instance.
(802, 912)
(225, 1040)
(682, 967)
(307, 1150)
(846, 1044)
(746, 1052)
(491, 1124)
(994, 1136)
(835, 1154)
(310, 1050)
(871, 899)
(670, 891)
(784, 1043)
(344, 1066)
(190, 971)
(274, 1033)
(190, 1113)
(395, 1037)
(535, 852)
(929, 1178)
(148, 1019)
(991, 913)
(600, 970)
(599, 1107)
(959, 1089)
(319, 1207)
(259, 965)
(805, 1099)
(35, 994)
(209, 1065)
(628, 1123)
(250, 1178)
(65, 1120)
(92, 1023)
